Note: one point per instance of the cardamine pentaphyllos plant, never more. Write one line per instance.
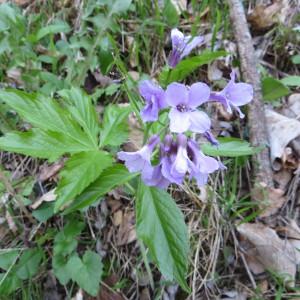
(178, 154)
(68, 126)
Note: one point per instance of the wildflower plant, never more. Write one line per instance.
(173, 117)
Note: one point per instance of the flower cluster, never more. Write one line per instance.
(179, 155)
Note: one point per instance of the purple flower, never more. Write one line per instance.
(155, 177)
(154, 97)
(182, 46)
(234, 94)
(169, 154)
(208, 135)
(200, 165)
(140, 161)
(184, 101)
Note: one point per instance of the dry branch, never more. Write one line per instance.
(256, 115)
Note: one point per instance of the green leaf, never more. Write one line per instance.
(187, 66)
(60, 268)
(80, 170)
(10, 283)
(273, 89)
(64, 241)
(160, 225)
(110, 178)
(291, 80)
(115, 128)
(170, 14)
(51, 29)
(296, 59)
(83, 111)
(229, 147)
(44, 212)
(86, 272)
(7, 258)
(119, 6)
(29, 263)
(38, 143)
(47, 114)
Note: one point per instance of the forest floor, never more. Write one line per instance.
(239, 248)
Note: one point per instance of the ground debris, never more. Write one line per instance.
(270, 250)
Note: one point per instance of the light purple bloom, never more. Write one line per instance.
(169, 153)
(208, 135)
(155, 177)
(200, 165)
(140, 161)
(182, 46)
(184, 101)
(234, 94)
(154, 97)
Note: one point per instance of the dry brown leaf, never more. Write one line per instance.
(48, 171)
(273, 253)
(265, 16)
(273, 200)
(234, 295)
(281, 131)
(282, 178)
(106, 292)
(117, 218)
(48, 197)
(126, 233)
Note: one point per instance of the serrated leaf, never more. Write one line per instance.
(47, 114)
(29, 263)
(41, 144)
(291, 80)
(83, 111)
(86, 272)
(160, 225)
(273, 89)
(114, 130)
(187, 66)
(80, 170)
(229, 147)
(109, 179)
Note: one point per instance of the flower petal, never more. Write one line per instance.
(240, 93)
(150, 111)
(134, 162)
(177, 38)
(199, 93)
(200, 122)
(190, 44)
(166, 165)
(179, 121)
(148, 88)
(176, 93)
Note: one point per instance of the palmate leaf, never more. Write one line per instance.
(80, 170)
(42, 144)
(115, 128)
(47, 114)
(111, 177)
(160, 225)
(82, 110)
